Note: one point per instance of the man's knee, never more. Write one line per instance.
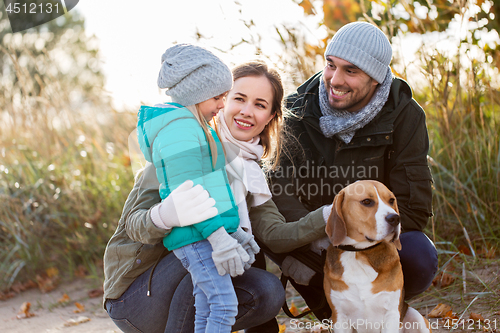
(271, 286)
(419, 261)
(260, 287)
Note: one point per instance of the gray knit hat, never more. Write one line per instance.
(193, 74)
(363, 45)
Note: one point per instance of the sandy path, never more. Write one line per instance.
(51, 316)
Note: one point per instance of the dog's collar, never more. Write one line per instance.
(354, 249)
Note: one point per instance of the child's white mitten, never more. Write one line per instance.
(248, 243)
(228, 255)
(186, 205)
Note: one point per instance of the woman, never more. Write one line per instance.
(147, 289)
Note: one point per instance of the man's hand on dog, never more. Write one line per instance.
(296, 270)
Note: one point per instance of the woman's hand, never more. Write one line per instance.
(186, 205)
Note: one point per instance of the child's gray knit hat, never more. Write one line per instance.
(363, 45)
(192, 74)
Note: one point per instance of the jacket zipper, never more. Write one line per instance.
(339, 146)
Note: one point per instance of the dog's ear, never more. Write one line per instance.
(335, 227)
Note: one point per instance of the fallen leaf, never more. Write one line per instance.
(6, 295)
(440, 311)
(294, 310)
(489, 251)
(48, 280)
(282, 328)
(464, 249)
(81, 271)
(24, 311)
(80, 307)
(65, 298)
(30, 284)
(96, 293)
(476, 317)
(52, 272)
(450, 315)
(45, 284)
(77, 321)
(443, 280)
(18, 287)
(447, 280)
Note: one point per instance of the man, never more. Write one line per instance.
(353, 121)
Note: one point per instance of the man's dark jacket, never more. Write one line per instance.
(392, 149)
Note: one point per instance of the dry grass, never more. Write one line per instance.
(64, 173)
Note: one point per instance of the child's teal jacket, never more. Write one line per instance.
(171, 138)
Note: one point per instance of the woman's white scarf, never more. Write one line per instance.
(244, 173)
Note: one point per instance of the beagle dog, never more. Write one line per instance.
(363, 276)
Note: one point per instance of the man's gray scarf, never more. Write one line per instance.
(344, 123)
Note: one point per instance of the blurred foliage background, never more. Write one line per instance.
(64, 170)
(64, 164)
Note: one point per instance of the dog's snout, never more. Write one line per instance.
(393, 219)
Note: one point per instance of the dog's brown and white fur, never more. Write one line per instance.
(365, 288)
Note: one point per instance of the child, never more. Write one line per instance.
(176, 138)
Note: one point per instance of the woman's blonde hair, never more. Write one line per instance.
(272, 132)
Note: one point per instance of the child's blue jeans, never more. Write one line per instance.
(215, 299)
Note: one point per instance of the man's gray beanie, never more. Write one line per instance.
(363, 45)
(193, 74)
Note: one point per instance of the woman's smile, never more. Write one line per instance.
(243, 124)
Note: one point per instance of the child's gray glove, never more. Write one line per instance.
(228, 255)
(186, 205)
(248, 243)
